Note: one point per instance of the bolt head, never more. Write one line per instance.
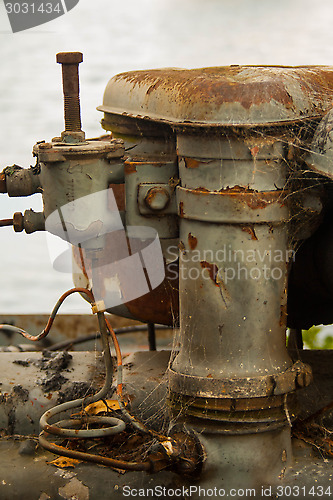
(69, 57)
(157, 198)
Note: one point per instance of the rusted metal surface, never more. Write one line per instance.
(157, 198)
(192, 241)
(212, 270)
(18, 222)
(246, 387)
(70, 79)
(21, 181)
(6, 222)
(3, 187)
(233, 95)
(232, 205)
(119, 194)
(162, 304)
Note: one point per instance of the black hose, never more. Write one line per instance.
(118, 331)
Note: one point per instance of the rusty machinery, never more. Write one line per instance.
(231, 166)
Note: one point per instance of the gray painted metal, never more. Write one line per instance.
(26, 474)
(155, 170)
(35, 383)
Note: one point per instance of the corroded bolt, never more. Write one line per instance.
(157, 198)
(70, 80)
(18, 222)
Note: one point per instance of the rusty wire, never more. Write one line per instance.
(115, 425)
(119, 357)
(80, 455)
(49, 324)
(6, 222)
(118, 331)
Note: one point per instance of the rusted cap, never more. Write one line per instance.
(69, 57)
(221, 96)
(3, 187)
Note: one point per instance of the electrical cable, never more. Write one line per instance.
(60, 430)
(49, 324)
(116, 427)
(6, 222)
(118, 331)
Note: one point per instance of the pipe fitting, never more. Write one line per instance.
(21, 181)
(30, 222)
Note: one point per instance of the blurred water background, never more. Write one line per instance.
(117, 36)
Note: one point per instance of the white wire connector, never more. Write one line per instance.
(98, 306)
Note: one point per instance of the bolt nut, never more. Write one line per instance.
(45, 145)
(73, 137)
(69, 57)
(18, 222)
(157, 198)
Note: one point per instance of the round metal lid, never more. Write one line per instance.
(221, 96)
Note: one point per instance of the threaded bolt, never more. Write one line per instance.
(70, 80)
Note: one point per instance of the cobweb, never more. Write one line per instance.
(308, 195)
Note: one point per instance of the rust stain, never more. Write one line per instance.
(160, 305)
(181, 209)
(262, 199)
(119, 194)
(254, 199)
(192, 241)
(247, 85)
(254, 151)
(283, 315)
(151, 88)
(237, 189)
(212, 269)
(201, 190)
(3, 188)
(130, 168)
(181, 247)
(191, 163)
(250, 230)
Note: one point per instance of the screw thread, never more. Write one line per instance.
(72, 113)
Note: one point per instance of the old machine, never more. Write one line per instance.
(207, 208)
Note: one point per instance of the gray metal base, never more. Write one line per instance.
(25, 474)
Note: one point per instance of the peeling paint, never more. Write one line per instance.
(74, 490)
(192, 241)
